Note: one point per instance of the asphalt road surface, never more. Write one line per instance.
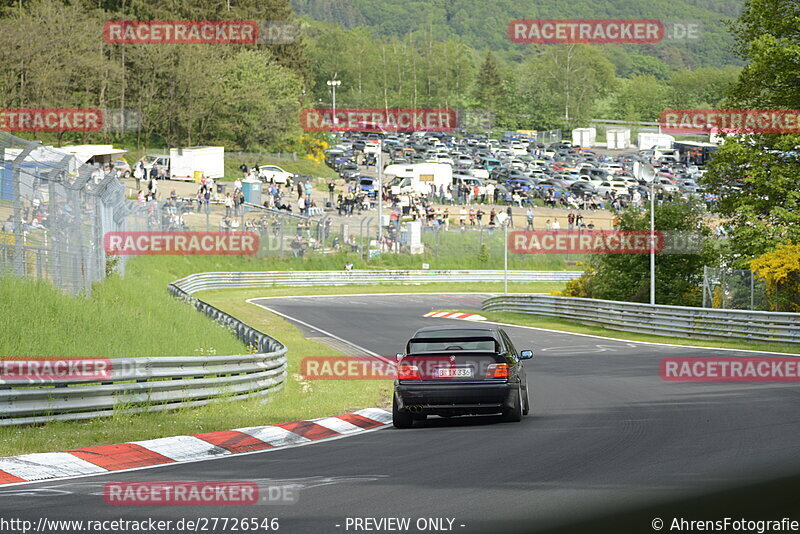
(605, 433)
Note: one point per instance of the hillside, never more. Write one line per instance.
(483, 24)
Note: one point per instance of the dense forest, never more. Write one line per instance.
(482, 24)
(387, 53)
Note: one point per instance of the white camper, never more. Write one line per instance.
(418, 177)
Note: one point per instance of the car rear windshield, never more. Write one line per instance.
(472, 340)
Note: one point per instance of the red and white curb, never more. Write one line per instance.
(455, 315)
(154, 452)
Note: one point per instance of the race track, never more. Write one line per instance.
(605, 432)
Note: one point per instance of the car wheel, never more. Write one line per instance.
(401, 419)
(514, 414)
(127, 174)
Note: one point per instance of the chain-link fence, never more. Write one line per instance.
(735, 290)
(55, 211)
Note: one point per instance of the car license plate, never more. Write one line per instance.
(458, 372)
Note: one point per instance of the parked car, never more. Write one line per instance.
(274, 175)
(122, 168)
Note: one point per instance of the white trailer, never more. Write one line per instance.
(584, 137)
(418, 177)
(618, 138)
(184, 162)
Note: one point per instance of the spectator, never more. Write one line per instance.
(510, 214)
(228, 205)
(529, 217)
(138, 174)
(152, 188)
(556, 225)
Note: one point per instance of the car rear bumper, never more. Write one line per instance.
(456, 399)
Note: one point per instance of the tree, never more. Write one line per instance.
(756, 175)
(258, 104)
(490, 92)
(701, 88)
(641, 98)
(570, 79)
(781, 271)
(626, 277)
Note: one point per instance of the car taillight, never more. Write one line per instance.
(408, 372)
(497, 370)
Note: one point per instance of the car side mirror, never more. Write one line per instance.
(399, 356)
(526, 355)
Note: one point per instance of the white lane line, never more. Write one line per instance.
(658, 344)
(671, 345)
(321, 331)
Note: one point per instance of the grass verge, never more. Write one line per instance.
(297, 400)
(565, 325)
(135, 316)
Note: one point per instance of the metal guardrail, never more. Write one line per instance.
(660, 320)
(137, 385)
(222, 280)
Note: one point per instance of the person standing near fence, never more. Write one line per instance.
(529, 217)
(138, 174)
(152, 187)
(228, 205)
